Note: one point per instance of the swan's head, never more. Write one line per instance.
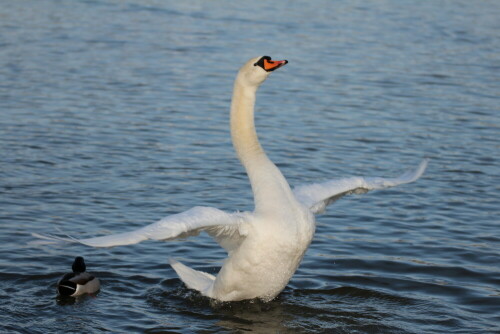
(256, 70)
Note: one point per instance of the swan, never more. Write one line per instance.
(265, 246)
(78, 282)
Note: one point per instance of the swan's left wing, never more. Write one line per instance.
(318, 196)
(227, 228)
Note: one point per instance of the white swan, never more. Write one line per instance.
(265, 246)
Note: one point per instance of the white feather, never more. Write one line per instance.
(318, 196)
(218, 223)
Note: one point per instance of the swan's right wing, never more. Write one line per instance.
(318, 196)
(227, 228)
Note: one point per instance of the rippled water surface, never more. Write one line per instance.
(114, 114)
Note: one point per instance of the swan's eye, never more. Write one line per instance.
(261, 61)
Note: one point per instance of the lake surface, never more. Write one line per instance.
(114, 114)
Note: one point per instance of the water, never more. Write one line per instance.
(114, 114)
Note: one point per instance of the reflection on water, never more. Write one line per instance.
(115, 114)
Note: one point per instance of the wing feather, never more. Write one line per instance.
(318, 196)
(219, 224)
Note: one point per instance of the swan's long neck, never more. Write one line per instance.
(270, 188)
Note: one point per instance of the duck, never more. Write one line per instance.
(264, 247)
(78, 282)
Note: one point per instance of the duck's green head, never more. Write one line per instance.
(79, 265)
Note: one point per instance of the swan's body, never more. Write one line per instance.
(78, 282)
(265, 246)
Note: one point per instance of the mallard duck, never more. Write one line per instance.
(79, 281)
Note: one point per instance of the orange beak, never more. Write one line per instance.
(271, 65)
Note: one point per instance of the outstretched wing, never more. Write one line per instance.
(227, 228)
(318, 196)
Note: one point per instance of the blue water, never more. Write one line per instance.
(114, 114)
